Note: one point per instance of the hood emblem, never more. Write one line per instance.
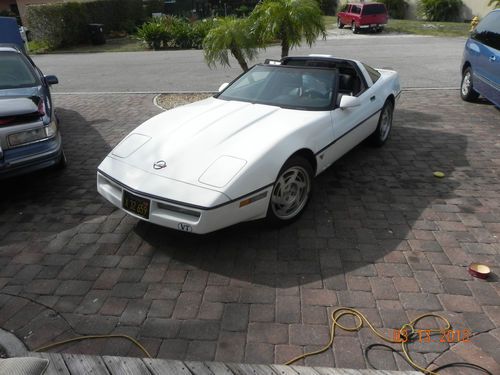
(160, 164)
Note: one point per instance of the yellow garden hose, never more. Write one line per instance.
(360, 319)
(81, 338)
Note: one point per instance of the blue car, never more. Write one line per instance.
(29, 130)
(481, 61)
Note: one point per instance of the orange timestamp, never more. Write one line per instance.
(432, 335)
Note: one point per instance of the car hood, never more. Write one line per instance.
(200, 142)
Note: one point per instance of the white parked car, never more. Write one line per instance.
(252, 150)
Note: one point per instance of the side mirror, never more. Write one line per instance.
(51, 80)
(223, 86)
(348, 101)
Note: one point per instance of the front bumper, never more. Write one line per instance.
(184, 216)
(31, 158)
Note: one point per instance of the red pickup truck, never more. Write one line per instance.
(363, 16)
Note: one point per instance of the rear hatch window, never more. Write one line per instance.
(15, 72)
(370, 9)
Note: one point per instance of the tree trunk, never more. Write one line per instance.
(236, 52)
(285, 47)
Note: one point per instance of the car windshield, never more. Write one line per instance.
(284, 86)
(373, 9)
(15, 72)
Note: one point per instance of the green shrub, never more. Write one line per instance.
(152, 33)
(328, 7)
(174, 32)
(199, 31)
(66, 24)
(440, 10)
(180, 31)
(396, 8)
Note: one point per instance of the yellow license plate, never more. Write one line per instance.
(135, 204)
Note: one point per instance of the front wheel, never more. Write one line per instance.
(381, 134)
(291, 191)
(340, 25)
(467, 91)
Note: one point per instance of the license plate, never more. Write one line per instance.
(137, 205)
(373, 25)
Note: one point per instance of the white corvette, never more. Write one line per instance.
(253, 149)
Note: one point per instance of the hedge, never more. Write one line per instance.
(66, 24)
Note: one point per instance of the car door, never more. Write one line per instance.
(484, 48)
(344, 14)
(352, 125)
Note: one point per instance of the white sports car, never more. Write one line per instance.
(252, 150)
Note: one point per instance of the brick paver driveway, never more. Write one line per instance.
(381, 234)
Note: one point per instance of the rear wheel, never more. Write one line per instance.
(354, 28)
(340, 25)
(291, 191)
(467, 91)
(381, 134)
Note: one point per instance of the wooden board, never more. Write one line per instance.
(198, 368)
(218, 368)
(56, 363)
(85, 364)
(125, 365)
(163, 367)
(244, 369)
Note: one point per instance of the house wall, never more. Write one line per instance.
(5, 4)
(470, 9)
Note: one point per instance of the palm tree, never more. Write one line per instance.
(230, 35)
(289, 21)
(495, 3)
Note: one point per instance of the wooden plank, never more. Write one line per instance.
(219, 368)
(245, 369)
(334, 371)
(284, 370)
(198, 368)
(56, 363)
(85, 364)
(125, 365)
(301, 370)
(163, 367)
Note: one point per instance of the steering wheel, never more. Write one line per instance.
(313, 94)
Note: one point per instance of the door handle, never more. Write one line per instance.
(372, 98)
(492, 58)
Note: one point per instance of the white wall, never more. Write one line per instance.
(470, 8)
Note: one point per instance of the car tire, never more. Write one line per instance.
(291, 191)
(354, 28)
(340, 25)
(467, 91)
(63, 162)
(384, 126)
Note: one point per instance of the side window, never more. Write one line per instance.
(374, 74)
(488, 31)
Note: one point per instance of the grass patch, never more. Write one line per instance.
(330, 22)
(125, 44)
(416, 27)
(428, 28)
